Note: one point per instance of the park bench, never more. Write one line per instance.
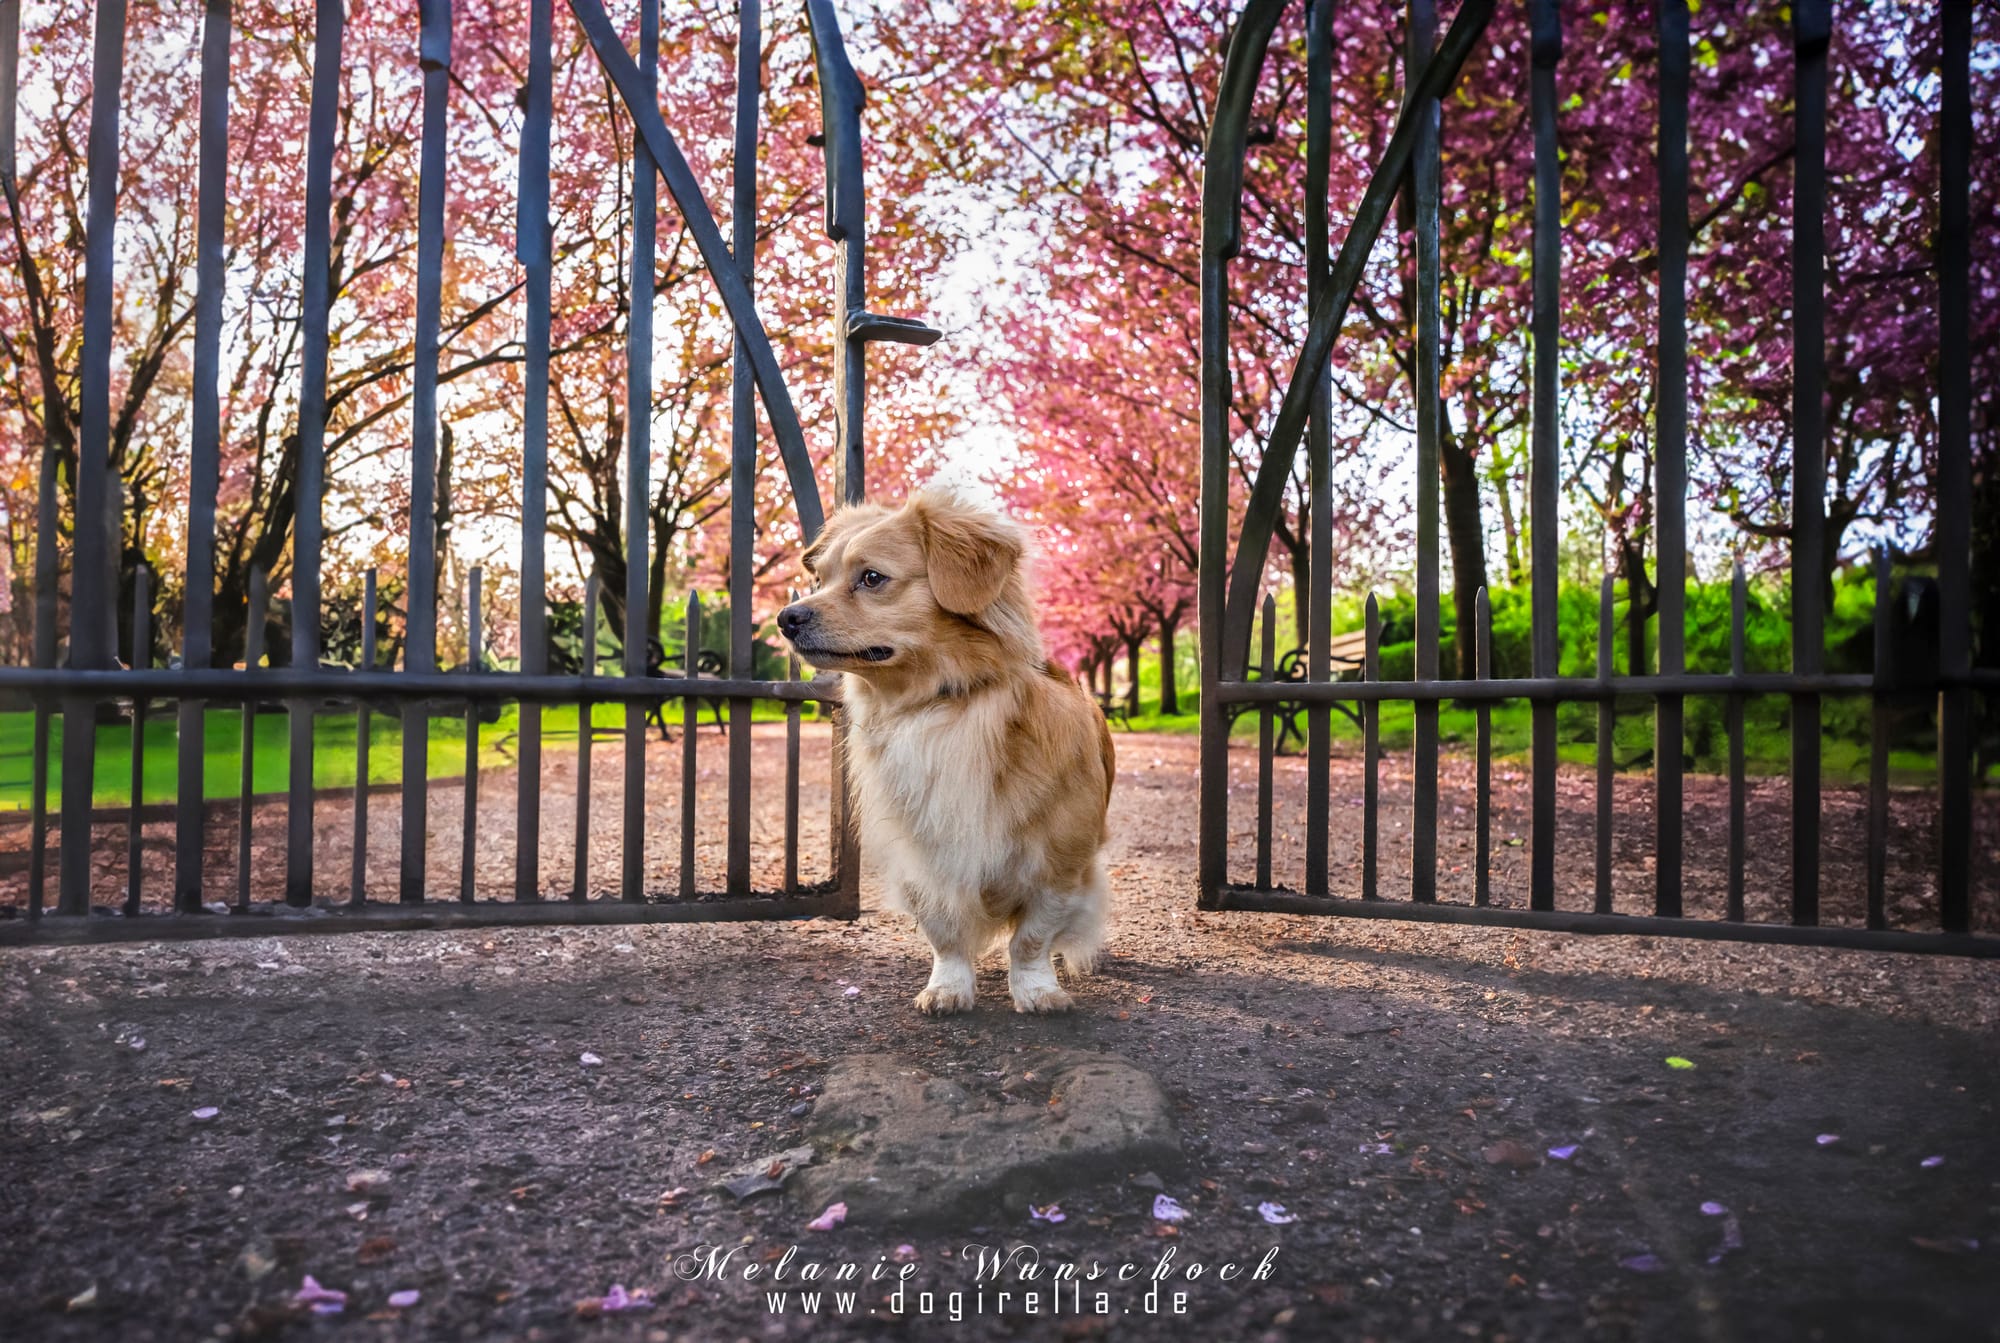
(1346, 654)
(1116, 705)
(707, 663)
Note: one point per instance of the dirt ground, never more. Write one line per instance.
(414, 1111)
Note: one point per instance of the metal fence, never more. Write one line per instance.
(1230, 582)
(91, 678)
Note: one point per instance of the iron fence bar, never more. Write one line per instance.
(204, 453)
(280, 920)
(1319, 443)
(404, 687)
(1371, 754)
(420, 592)
(1544, 466)
(1670, 469)
(92, 576)
(357, 879)
(45, 543)
(46, 559)
(1607, 748)
(1635, 925)
(633, 90)
(742, 443)
(1812, 26)
(1878, 752)
(142, 648)
(1557, 688)
(638, 455)
(246, 765)
(307, 530)
(1482, 824)
(1265, 721)
(1954, 485)
(469, 830)
(690, 720)
(792, 782)
(1281, 446)
(1221, 235)
(533, 248)
(10, 77)
(580, 879)
(1739, 600)
(1426, 169)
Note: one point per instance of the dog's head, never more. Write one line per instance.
(929, 590)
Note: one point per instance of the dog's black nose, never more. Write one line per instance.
(793, 619)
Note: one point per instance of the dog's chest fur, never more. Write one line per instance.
(929, 790)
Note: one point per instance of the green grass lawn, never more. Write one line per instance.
(335, 753)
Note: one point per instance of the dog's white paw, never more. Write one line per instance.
(944, 999)
(1041, 996)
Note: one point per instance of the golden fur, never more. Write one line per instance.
(981, 773)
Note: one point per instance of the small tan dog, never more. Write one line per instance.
(981, 773)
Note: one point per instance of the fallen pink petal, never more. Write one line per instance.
(1275, 1214)
(1827, 1139)
(1166, 1209)
(206, 1113)
(850, 992)
(1643, 1263)
(1931, 1162)
(323, 1300)
(405, 1299)
(835, 1214)
(590, 1060)
(619, 1299)
(1563, 1153)
(1712, 1209)
(1051, 1213)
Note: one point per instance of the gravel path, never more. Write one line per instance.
(414, 1111)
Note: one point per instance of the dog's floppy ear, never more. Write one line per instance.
(970, 552)
(813, 552)
(841, 521)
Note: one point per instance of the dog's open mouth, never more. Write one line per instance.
(877, 653)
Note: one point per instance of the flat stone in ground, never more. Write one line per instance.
(902, 1147)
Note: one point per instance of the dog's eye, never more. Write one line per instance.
(871, 579)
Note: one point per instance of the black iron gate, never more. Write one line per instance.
(1230, 583)
(90, 678)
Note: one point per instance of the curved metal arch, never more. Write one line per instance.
(1229, 129)
(840, 96)
(715, 255)
(1220, 239)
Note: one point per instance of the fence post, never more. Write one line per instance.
(533, 248)
(93, 552)
(307, 532)
(1811, 29)
(743, 447)
(420, 592)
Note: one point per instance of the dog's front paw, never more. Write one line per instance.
(941, 1000)
(1041, 998)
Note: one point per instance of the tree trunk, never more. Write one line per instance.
(1510, 524)
(1641, 600)
(1298, 551)
(1467, 540)
(1132, 671)
(1170, 700)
